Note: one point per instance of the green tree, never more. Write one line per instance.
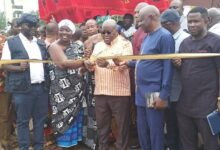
(2, 21)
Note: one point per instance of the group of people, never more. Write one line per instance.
(91, 98)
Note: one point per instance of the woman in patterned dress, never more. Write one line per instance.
(67, 87)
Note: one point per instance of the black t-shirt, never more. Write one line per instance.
(200, 77)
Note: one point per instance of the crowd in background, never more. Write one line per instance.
(83, 98)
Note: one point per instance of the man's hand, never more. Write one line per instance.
(87, 53)
(160, 104)
(89, 65)
(102, 62)
(218, 103)
(24, 66)
(117, 61)
(122, 67)
(177, 62)
(83, 70)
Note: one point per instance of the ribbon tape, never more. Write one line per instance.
(16, 61)
(126, 58)
(162, 56)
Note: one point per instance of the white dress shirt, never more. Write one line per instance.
(215, 29)
(179, 36)
(33, 51)
(130, 32)
(184, 23)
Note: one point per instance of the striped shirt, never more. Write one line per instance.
(112, 82)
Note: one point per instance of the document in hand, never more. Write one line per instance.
(214, 122)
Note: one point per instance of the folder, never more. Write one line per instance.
(214, 122)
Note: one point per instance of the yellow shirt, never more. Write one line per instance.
(108, 81)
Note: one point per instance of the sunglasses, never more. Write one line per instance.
(174, 7)
(106, 32)
(30, 25)
(166, 23)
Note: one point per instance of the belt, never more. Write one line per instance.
(40, 83)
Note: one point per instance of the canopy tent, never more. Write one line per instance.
(80, 10)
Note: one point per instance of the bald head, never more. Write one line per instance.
(150, 10)
(140, 5)
(150, 18)
(179, 2)
(137, 10)
(177, 5)
(91, 27)
(214, 16)
(52, 28)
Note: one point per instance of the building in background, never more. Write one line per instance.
(204, 3)
(14, 8)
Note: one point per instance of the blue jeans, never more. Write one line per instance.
(33, 104)
(150, 125)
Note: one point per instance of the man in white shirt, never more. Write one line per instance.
(170, 19)
(178, 6)
(214, 20)
(27, 82)
(128, 28)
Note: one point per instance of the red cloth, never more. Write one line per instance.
(80, 10)
(138, 38)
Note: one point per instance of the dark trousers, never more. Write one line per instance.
(150, 124)
(172, 137)
(107, 107)
(33, 104)
(133, 112)
(188, 130)
(5, 120)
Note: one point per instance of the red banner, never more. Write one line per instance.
(80, 10)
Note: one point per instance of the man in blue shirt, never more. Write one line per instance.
(153, 80)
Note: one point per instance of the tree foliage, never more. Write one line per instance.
(3, 23)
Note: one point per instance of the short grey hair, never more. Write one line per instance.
(110, 22)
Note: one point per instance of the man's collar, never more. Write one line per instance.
(177, 34)
(217, 25)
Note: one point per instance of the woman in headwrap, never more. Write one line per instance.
(67, 87)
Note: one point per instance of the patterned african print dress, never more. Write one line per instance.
(67, 92)
(90, 137)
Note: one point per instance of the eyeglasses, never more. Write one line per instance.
(30, 25)
(166, 23)
(173, 7)
(106, 32)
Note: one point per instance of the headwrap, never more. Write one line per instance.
(67, 23)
